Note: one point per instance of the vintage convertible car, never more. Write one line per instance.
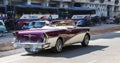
(51, 37)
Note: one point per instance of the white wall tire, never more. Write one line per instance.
(85, 41)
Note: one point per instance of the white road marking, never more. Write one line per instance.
(93, 61)
(12, 58)
(117, 32)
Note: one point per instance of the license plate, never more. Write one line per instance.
(27, 46)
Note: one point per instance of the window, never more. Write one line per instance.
(36, 3)
(39, 24)
(101, 1)
(1, 23)
(109, 0)
(53, 5)
(1, 2)
(77, 5)
(18, 1)
(92, 0)
(116, 1)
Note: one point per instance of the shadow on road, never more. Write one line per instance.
(106, 36)
(70, 51)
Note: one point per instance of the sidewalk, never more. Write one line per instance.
(104, 28)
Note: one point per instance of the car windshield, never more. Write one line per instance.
(39, 24)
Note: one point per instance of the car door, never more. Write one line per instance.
(75, 35)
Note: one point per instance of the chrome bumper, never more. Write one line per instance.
(33, 45)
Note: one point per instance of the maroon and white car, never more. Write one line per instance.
(51, 37)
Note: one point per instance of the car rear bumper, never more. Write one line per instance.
(33, 45)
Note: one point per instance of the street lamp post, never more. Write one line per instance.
(10, 13)
(61, 3)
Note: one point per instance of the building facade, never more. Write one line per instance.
(103, 7)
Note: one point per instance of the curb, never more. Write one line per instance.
(6, 46)
(97, 31)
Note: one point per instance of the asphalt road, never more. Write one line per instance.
(102, 49)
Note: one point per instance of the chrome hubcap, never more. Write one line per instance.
(86, 40)
(59, 45)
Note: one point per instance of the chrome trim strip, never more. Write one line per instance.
(31, 43)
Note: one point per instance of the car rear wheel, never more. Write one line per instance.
(85, 41)
(58, 47)
(32, 50)
(1, 33)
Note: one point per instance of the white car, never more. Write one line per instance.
(49, 37)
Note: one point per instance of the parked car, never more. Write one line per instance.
(2, 28)
(34, 24)
(81, 23)
(51, 37)
(110, 20)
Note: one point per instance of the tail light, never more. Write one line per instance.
(15, 37)
(45, 37)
